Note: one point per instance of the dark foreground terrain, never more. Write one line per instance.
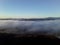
(15, 39)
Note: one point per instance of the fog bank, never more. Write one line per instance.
(51, 27)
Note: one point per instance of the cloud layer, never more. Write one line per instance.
(51, 27)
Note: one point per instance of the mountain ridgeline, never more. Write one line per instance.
(32, 19)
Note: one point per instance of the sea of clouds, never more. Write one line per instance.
(51, 27)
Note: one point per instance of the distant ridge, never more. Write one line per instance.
(31, 19)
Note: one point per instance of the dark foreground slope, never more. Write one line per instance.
(14, 38)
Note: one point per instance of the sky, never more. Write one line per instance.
(29, 8)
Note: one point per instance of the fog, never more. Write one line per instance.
(51, 27)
